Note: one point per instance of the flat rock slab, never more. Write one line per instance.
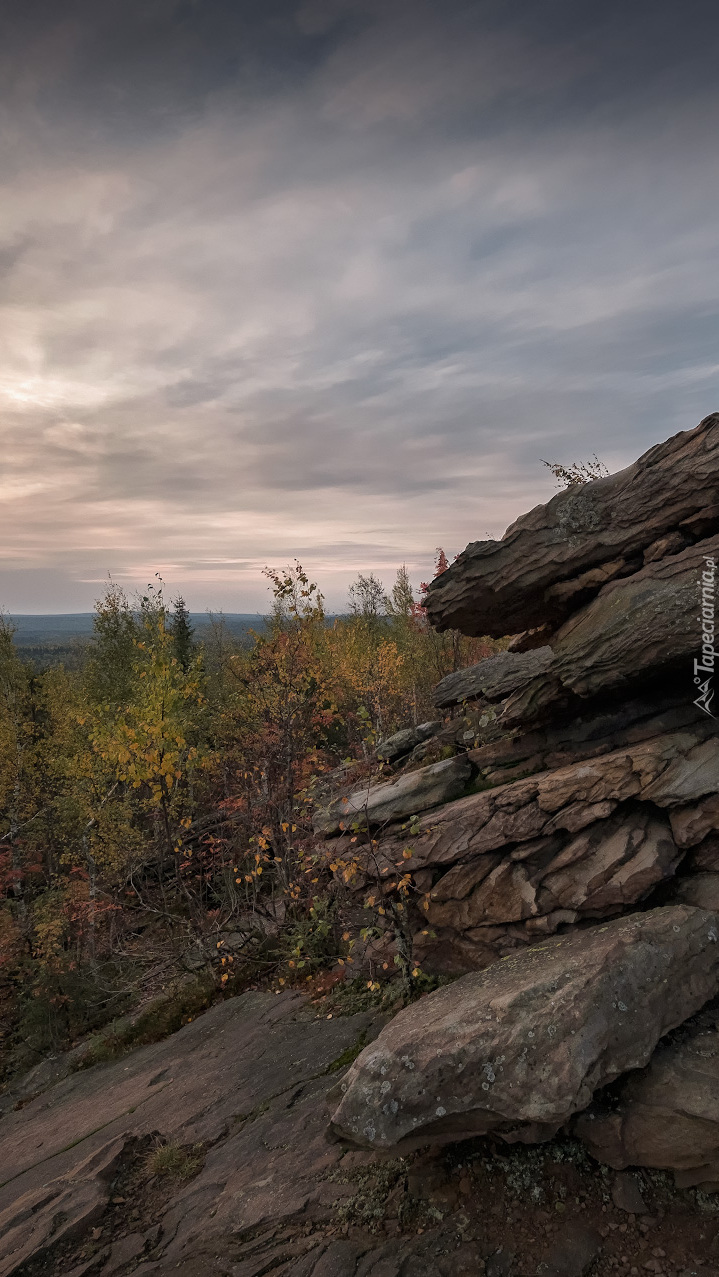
(666, 1117)
(59, 1151)
(493, 678)
(62, 1209)
(381, 804)
(518, 1048)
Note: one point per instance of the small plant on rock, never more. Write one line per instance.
(175, 1160)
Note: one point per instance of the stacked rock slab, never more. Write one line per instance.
(589, 784)
(576, 880)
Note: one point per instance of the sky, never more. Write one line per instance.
(327, 279)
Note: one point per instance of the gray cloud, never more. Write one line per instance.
(327, 279)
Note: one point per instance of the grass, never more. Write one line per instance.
(175, 1161)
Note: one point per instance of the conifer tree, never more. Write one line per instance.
(182, 633)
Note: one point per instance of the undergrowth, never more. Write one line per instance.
(159, 1019)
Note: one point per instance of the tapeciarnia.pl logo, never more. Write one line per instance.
(705, 666)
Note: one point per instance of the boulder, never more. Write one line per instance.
(665, 1117)
(413, 792)
(501, 587)
(405, 741)
(520, 1047)
(493, 678)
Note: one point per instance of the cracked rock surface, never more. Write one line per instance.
(270, 1197)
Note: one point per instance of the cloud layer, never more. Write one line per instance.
(329, 281)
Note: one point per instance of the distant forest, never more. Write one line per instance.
(49, 639)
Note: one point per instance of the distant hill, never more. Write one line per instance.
(43, 630)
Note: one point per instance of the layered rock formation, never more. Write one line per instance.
(589, 757)
(593, 791)
(587, 840)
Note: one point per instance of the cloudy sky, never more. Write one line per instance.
(327, 278)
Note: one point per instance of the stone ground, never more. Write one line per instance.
(243, 1090)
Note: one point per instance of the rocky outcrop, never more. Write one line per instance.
(554, 559)
(594, 762)
(381, 804)
(593, 792)
(665, 1117)
(243, 1090)
(518, 1048)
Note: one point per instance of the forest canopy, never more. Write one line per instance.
(160, 795)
